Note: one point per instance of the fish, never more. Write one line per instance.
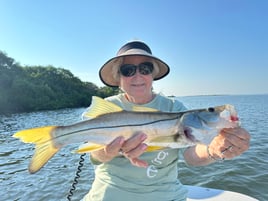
(106, 121)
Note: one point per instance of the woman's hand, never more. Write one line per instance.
(131, 148)
(229, 143)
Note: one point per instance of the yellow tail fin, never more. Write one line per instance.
(44, 148)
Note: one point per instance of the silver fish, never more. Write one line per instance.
(108, 121)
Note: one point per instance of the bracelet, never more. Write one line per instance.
(212, 157)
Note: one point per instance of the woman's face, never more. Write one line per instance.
(138, 86)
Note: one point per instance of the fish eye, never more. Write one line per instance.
(211, 109)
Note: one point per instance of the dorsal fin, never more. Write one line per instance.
(100, 106)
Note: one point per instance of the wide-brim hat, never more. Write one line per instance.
(109, 72)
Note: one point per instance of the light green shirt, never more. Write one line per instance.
(119, 180)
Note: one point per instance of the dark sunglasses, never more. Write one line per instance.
(129, 70)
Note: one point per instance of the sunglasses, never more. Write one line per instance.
(129, 70)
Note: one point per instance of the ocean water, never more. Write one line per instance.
(246, 174)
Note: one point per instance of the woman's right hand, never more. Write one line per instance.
(131, 149)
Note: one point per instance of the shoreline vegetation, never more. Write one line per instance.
(36, 88)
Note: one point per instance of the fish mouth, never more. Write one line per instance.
(188, 134)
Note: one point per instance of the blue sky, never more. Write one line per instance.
(212, 46)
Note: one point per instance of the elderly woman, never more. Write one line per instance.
(124, 171)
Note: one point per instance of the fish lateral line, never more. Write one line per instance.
(115, 126)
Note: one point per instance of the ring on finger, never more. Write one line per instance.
(227, 149)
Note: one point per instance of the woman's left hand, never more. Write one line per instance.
(231, 142)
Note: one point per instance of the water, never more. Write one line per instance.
(246, 174)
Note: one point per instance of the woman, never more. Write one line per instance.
(124, 171)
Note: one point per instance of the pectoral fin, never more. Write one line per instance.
(161, 143)
(165, 139)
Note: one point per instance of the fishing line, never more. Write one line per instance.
(77, 176)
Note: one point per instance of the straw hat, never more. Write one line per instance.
(109, 71)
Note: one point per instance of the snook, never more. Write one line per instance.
(108, 121)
